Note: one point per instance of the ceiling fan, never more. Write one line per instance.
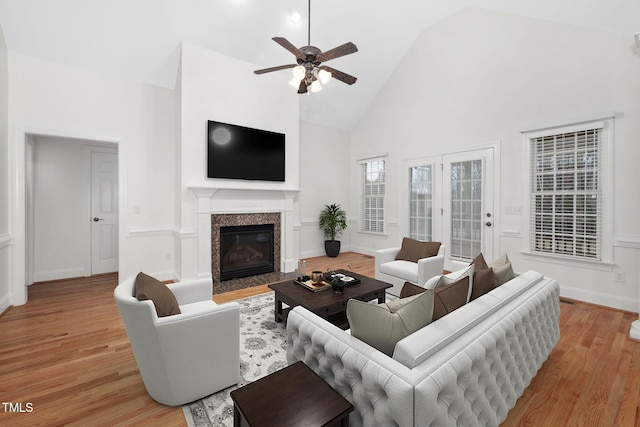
(308, 73)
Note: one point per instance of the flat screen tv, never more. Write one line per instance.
(238, 152)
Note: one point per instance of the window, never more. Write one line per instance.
(567, 197)
(373, 188)
(421, 202)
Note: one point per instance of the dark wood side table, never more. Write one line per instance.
(293, 396)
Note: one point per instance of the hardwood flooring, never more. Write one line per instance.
(66, 354)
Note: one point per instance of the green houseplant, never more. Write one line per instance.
(333, 221)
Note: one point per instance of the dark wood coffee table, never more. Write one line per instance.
(293, 396)
(327, 304)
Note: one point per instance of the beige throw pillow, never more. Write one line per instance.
(413, 250)
(383, 325)
(502, 269)
(149, 288)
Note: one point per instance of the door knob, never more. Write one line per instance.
(96, 219)
(488, 223)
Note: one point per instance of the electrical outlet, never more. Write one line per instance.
(619, 276)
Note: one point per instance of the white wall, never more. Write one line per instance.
(324, 179)
(482, 76)
(5, 237)
(216, 87)
(49, 98)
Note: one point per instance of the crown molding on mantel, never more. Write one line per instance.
(208, 192)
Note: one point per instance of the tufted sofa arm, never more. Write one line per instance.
(482, 382)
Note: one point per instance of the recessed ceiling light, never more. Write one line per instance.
(295, 16)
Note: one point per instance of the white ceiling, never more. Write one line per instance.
(140, 39)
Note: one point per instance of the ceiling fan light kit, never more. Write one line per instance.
(309, 76)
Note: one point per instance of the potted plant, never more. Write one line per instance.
(333, 221)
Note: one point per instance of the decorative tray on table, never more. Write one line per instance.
(314, 286)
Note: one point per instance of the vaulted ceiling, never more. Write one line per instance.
(140, 39)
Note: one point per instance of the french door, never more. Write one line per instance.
(468, 217)
(451, 199)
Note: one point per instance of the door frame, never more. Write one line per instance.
(486, 155)
(18, 215)
(436, 162)
(438, 179)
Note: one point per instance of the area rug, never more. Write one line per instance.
(263, 350)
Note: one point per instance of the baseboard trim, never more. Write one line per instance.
(65, 273)
(600, 298)
(5, 304)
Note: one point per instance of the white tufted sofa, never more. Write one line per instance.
(466, 369)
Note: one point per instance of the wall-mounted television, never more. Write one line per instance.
(238, 152)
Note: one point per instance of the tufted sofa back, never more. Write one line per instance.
(433, 338)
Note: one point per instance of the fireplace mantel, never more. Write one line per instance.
(242, 193)
(220, 200)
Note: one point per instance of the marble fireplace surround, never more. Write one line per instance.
(244, 204)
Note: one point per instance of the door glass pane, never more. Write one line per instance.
(421, 202)
(466, 213)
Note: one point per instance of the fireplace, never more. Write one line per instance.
(246, 250)
(253, 239)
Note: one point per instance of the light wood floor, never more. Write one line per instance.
(67, 354)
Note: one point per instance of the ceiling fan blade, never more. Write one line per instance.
(278, 68)
(303, 87)
(289, 46)
(337, 74)
(337, 52)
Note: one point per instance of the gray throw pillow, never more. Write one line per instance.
(149, 288)
(383, 325)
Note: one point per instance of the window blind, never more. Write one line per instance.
(566, 193)
(421, 202)
(373, 192)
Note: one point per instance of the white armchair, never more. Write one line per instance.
(396, 272)
(186, 356)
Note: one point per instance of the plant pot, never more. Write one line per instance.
(332, 248)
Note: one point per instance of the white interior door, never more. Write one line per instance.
(468, 205)
(104, 212)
